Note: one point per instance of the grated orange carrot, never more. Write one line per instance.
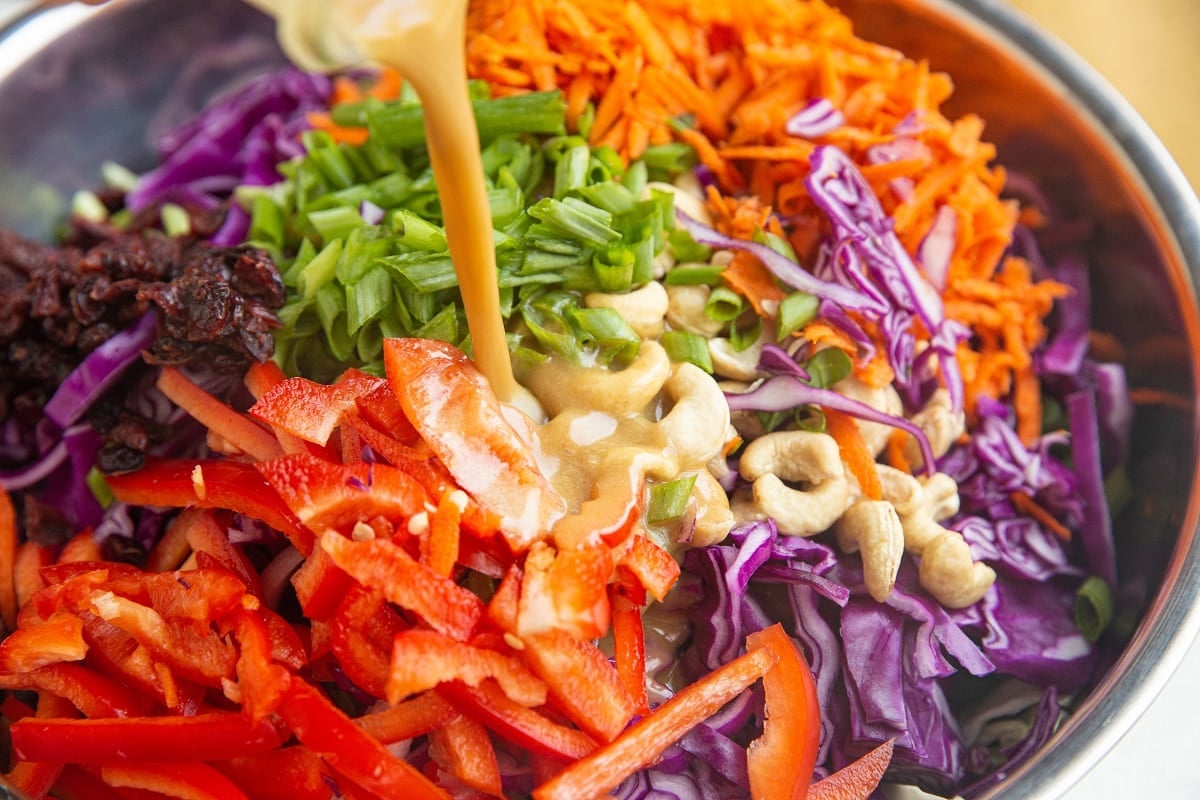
(1031, 508)
(858, 459)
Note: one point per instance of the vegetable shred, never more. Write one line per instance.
(814, 492)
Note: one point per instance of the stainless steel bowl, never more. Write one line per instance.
(79, 86)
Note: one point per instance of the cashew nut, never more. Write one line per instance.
(804, 457)
(748, 424)
(697, 426)
(949, 573)
(685, 310)
(873, 527)
(739, 365)
(714, 519)
(616, 392)
(940, 423)
(645, 309)
(921, 504)
(885, 398)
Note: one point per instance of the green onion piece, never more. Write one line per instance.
(571, 171)
(424, 272)
(576, 219)
(669, 500)
(614, 268)
(606, 330)
(86, 205)
(827, 367)
(685, 247)
(1118, 489)
(364, 248)
(694, 275)
(175, 220)
(443, 326)
(776, 243)
(691, 348)
(585, 119)
(636, 177)
(268, 222)
(667, 160)
(99, 487)
(320, 271)
(291, 272)
(334, 166)
(643, 261)
(795, 311)
(506, 204)
(742, 336)
(1094, 608)
(724, 304)
(390, 191)
(416, 233)
(366, 299)
(403, 126)
(613, 197)
(334, 223)
(118, 176)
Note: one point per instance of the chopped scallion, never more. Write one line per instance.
(1094, 608)
(684, 347)
(669, 500)
(795, 311)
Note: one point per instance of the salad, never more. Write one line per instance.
(818, 497)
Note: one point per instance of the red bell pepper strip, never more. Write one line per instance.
(377, 563)
(652, 565)
(190, 780)
(362, 633)
(237, 429)
(566, 591)
(59, 638)
(858, 779)
(8, 560)
(262, 682)
(320, 586)
(312, 411)
(323, 728)
(781, 761)
(452, 406)
(36, 777)
(504, 608)
(171, 550)
(286, 645)
(416, 716)
(225, 484)
(423, 659)
(27, 578)
(207, 531)
(94, 694)
(515, 723)
(81, 547)
(116, 653)
(197, 596)
(203, 737)
(323, 494)
(76, 783)
(463, 748)
(261, 376)
(646, 739)
(295, 772)
(629, 644)
(582, 682)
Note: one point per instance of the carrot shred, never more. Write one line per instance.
(237, 429)
(895, 451)
(8, 559)
(747, 276)
(1031, 508)
(1145, 396)
(858, 459)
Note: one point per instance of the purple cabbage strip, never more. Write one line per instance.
(1096, 534)
(785, 392)
(817, 118)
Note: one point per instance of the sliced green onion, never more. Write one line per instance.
(694, 275)
(606, 330)
(365, 247)
(827, 367)
(571, 171)
(320, 271)
(335, 223)
(613, 197)
(425, 272)
(691, 348)
(635, 178)
(1094, 608)
(668, 160)
(417, 233)
(403, 126)
(614, 268)
(685, 247)
(724, 305)
(795, 311)
(268, 222)
(669, 500)
(99, 487)
(175, 220)
(366, 299)
(86, 205)
(118, 176)
(442, 327)
(742, 336)
(576, 219)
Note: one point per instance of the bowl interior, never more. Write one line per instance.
(98, 84)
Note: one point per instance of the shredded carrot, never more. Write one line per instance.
(1145, 396)
(858, 459)
(8, 559)
(81, 547)
(747, 276)
(1030, 508)
(895, 451)
(171, 549)
(443, 544)
(235, 428)
(27, 575)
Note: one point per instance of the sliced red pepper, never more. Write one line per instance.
(76, 783)
(81, 547)
(286, 645)
(320, 586)
(262, 682)
(645, 740)
(629, 644)
(463, 748)
(515, 723)
(27, 578)
(261, 376)
(652, 565)
(36, 777)
(380, 564)
(382, 410)
(94, 694)
(858, 779)
(582, 681)
(566, 591)
(453, 407)
(362, 634)
(439, 547)
(192, 780)
(8, 560)
(423, 659)
(196, 596)
(59, 638)
(225, 484)
(321, 727)
(295, 772)
(504, 607)
(781, 761)
(414, 717)
(207, 531)
(323, 494)
(309, 410)
(204, 737)
(116, 653)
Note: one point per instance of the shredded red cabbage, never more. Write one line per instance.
(817, 118)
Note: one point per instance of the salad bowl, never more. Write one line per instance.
(74, 94)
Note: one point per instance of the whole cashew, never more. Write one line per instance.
(920, 505)
(797, 456)
(616, 392)
(873, 527)
(697, 426)
(941, 424)
(685, 311)
(714, 519)
(875, 435)
(949, 573)
(737, 365)
(645, 309)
